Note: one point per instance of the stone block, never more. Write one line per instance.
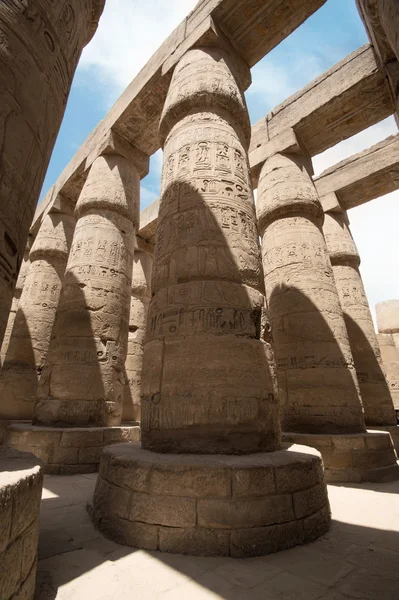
(259, 541)
(26, 503)
(111, 501)
(307, 502)
(236, 514)
(64, 456)
(342, 476)
(90, 455)
(349, 442)
(338, 460)
(82, 438)
(378, 441)
(318, 468)
(190, 481)
(5, 516)
(77, 469)
(27, 589)
(194, 541)
(30, 539)
(10, 569)
(52, 469)
(140, 535)
(317, 524)
(121, 434)
(295, 476)
(252, 482)
(163, 510)
(368, 459)
(126, 473)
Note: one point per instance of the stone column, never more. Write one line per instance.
(208, 375)
(390, 359)
(41, 42)
(345, 260)
(83, 379)
(388, 318)
(35, 317)
(321, 403)
(15, 302)
(140, 299)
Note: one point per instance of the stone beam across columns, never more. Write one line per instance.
(253, 27)
(361, 177)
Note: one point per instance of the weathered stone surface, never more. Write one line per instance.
(331, 108)
(23, 271)
(363, 176)
(21, 479)
(41, 47)
(140, 299)
(390, 359)
(83, 380)
(214, 524)
(35, 317)
(317, 380)
(203, 341)
(381, 18)
(353, 457)
(345, 260)
(388, 317)
(67, 451)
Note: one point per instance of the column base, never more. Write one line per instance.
(211, 505)
(393, 430)
(352, 457)
(21, 479)
(68, 451)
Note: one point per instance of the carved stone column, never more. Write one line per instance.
(321, 403)
(41, 42)
(83, 382)
(35, 317)
(345, 260)
(208, 375)
(388, 318)
(390, 359)
(140, 299)
(15, 302)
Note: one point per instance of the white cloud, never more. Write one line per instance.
(374, 224)
(130, 31)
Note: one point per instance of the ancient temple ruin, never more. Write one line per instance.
(214, 360)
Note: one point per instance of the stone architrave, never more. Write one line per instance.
(35, 317)
(82, 383)
(321, 403)
(40, 45)
(315, 367)
(140, 299)
(345, 260)
(208, 388)
(15, 302)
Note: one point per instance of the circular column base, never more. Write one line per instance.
(68, 451)
(393, 430)
(211, 505)
(352, 457)
(21, 479)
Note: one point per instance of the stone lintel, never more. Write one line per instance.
(286, 142)
(364, 176)
(253, 28)
(373, 14)
(148, 221)
(112, 143)
(351, 96)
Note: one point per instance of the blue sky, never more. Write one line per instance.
(131, 30)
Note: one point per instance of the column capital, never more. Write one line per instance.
(113, 143)
(287, 142)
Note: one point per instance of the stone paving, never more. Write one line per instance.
(357, 559)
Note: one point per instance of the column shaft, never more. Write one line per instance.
(35, 317)
(140, 299)
(317, 379)
(41, 42)
(390, 359)
(207, 383)
(345, 260)
(83, 380)
(15, 302)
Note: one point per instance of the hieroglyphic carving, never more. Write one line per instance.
(40, 45)
(35, 317)
(314, 361)
(207, 380)
(89, 341)
(376, 397)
